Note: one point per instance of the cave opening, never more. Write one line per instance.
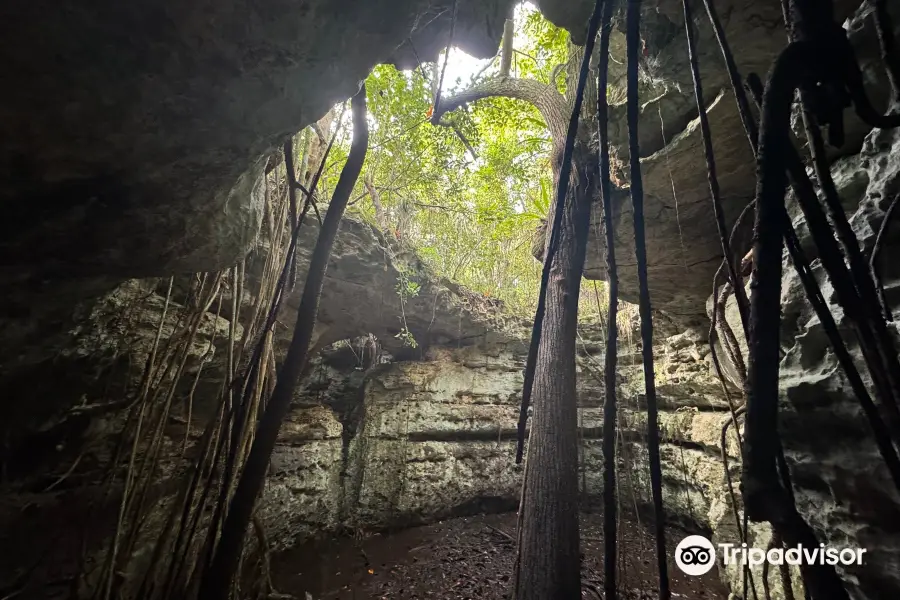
(393, 300)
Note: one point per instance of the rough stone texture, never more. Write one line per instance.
(139, 155)
(844, 489)
(112, 337)
(415, 442)
(61, 434)
(78, 396)
(133, 137)
(861, 27)
(303, 492)
(683, 248)
(79, 385)
(149, 142)
(436, 437)
(433, 438)
(360, 296)
(842, 486)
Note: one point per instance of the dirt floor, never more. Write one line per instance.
(469, 558)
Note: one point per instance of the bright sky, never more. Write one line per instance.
(461, 67)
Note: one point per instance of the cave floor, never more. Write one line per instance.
(467, 558)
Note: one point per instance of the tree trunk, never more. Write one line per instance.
(507, 48)
(380, 217)
(549, 537)
(548, 565)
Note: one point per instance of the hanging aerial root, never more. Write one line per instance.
(152, 454)
(841, 83)
(878, 344)
(737, 88)
(133, 425)
(292, 194)
(144, 428)
(873, 259)
(885, 27)
(740, 524)
(783, 570)
(718, 313)
(729, 341)
(807, 198)
(764, 497)
(610, 409)
(213, 441)
(718, 308)
(440, 83)
(792, 523)
(731, 260)
(248, 378)
(632, 37)
(217, 579)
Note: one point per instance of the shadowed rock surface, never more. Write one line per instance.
(683, 248)
(133, 137)
(133, 141)
(149, 124)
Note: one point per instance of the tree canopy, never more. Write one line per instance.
(471, 193)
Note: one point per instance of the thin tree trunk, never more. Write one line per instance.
(380, 217)
(507, 49)
(217, 580)
(548, 564)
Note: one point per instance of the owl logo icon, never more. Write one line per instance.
(695, 555)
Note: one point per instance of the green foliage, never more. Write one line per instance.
(407, 338)
(407, 288)
(544, 46)
(472, 219)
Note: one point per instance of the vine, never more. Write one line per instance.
(406, 288)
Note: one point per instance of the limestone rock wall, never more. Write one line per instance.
(436, 437)
(844, 489)
(842, 486)
(683, 248)
(73, 393)
(415, 441)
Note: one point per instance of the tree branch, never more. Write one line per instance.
(507, 48)
(380, 218)
(549, 102)
(459, 134)
(555, 73)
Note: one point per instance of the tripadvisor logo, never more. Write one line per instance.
(696, 555)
